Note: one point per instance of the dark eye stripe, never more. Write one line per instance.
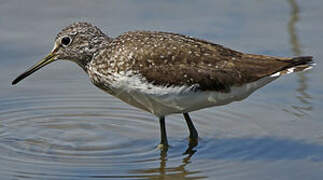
(66, 41)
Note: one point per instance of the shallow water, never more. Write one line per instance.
(57, 125)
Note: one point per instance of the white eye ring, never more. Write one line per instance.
(65, 41)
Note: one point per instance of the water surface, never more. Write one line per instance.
(57, 125)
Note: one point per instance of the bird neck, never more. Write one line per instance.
(98, 45)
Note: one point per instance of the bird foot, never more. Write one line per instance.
(192, 142)
(162, 146)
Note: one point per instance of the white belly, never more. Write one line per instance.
(163, 101)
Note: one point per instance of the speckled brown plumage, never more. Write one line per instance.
(173, 59)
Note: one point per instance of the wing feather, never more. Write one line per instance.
(173, 59)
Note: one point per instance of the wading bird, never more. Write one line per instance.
(166, 73)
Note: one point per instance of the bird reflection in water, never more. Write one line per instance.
(177, 172)
(305, 105)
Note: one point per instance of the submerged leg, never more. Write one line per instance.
(163, 135)
(193, 132)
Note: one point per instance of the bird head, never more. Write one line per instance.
(77, 42)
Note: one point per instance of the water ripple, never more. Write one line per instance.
(84, 136)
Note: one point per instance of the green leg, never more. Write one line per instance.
(163, 135)
(193, 132)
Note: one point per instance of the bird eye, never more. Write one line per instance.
(66, 41)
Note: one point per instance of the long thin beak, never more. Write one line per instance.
(47, 60)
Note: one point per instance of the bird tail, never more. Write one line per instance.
(296, 64)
